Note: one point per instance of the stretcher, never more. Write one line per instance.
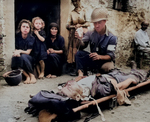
(96, 102)
(88, 103)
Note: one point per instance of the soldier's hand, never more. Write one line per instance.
(95, 56)
(78, 35)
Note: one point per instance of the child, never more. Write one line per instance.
(39, 51)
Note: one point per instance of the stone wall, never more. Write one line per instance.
(2, 67)
(125, 24)
(9, 25)
(7, 32)
(64, 16)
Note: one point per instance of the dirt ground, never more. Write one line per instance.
(13, 100)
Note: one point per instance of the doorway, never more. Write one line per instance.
(48, 10)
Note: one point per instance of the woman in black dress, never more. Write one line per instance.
(23, 47)
(55, 52)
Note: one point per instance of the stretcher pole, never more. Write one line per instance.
(138, 86)
(109, 97)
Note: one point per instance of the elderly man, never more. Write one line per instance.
(142, 39)
(102, 45)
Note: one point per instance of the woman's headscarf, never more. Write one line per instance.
(53, 25)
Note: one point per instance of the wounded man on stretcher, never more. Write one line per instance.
(80, 89)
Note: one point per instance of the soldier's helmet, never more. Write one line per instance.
(99, 14)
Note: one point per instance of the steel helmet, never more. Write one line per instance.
(13, 77)
(99, 14)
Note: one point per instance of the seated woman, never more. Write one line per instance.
(23, 47)
(55, 52)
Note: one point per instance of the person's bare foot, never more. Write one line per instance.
(98, 74)
(133, 64)
(33, 79)
(80, 73)
(48, 76)
(41, 76)
(27, 81)
(53, 76)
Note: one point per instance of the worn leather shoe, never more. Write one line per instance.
(73, 73)
(133, 65)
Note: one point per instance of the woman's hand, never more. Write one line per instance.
(48, 52)
(16, 53)
(51, 50)
(78, 25)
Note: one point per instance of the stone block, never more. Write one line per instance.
(110, 4)
(1, 59)
(2, 68)
(1, 11)
(0, 27)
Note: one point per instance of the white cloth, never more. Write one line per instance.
(142, 39)
(87, 81)
(86, 84)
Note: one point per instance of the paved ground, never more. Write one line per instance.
(13, 100)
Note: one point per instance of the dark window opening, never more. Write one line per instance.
(120, 5)
(48, 10)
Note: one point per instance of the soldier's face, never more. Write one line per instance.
(100, 25)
